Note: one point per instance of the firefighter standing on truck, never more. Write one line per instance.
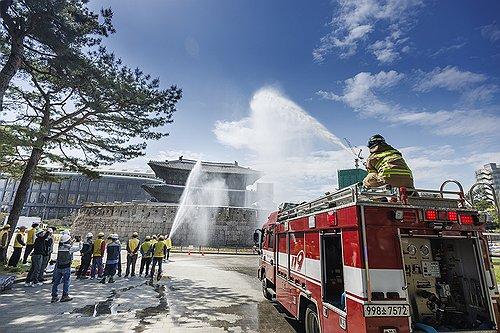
(386, 165)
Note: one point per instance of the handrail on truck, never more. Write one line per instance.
(493, 192)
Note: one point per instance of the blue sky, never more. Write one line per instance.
(425, 74)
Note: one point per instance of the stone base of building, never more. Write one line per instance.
(208, 226)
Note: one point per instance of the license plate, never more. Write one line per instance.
(387, 310)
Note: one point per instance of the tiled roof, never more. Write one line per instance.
(215, 167)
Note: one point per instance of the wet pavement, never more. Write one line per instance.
(211, 293)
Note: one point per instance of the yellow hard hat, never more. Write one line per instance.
(148, 238)
(161, 237)
(7, 226)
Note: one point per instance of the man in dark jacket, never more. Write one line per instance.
(47, 253)
(37, 258)
(86, 253)
(386, 166)
(62, 271)
(113, 259)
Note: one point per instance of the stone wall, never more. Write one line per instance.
(227, 226)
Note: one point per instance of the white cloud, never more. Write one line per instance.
(450, 78)
(432, 165)
(360, 93)
(453, 47)
(491, 32)
(355, 20)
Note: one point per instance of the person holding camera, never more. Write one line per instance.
(62, 270)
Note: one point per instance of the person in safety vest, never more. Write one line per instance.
(146, 249)
(98, 249)
(30, 241)
(159, 250)
(113, 258)
(386, 166)
(18, 247)
(86, 253)
(168, 244)
(4, 243)
(37, 259)
(62, 270)
(132, 250)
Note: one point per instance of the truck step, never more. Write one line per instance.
(272, 293)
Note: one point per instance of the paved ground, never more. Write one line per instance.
(213, 293)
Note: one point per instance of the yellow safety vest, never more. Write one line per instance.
(133, 243)
(31, 236)
(97, 247)
(145, 248)
(158, 250)
(16, 243)
(2, 234)
(168, 243)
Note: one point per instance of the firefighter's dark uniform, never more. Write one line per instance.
(386, 166)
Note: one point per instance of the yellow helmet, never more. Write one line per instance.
(7, 226)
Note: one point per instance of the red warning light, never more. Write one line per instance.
(431, 215)
(452, 216)
(466, 219)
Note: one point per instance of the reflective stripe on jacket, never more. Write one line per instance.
(387, 162)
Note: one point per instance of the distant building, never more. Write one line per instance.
(55, 200)
(175, 174)
(490, 174)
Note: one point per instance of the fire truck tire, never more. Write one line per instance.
(266, 294)
(311, 320)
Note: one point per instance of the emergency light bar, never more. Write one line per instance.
(451, 216)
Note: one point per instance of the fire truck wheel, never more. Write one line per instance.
(311, 321)
(266, 294)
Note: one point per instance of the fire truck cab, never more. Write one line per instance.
(381, 261)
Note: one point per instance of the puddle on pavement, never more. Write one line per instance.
(152, 311)
(106, 307)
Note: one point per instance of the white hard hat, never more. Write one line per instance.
(65, 238)
(40, 232)
(65, 232)
(113, 236)
(89, 235)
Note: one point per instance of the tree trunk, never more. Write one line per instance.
(11, 66)
(22, 189)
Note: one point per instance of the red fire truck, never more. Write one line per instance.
(381, 261)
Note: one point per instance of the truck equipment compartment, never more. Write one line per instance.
(447, 290)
